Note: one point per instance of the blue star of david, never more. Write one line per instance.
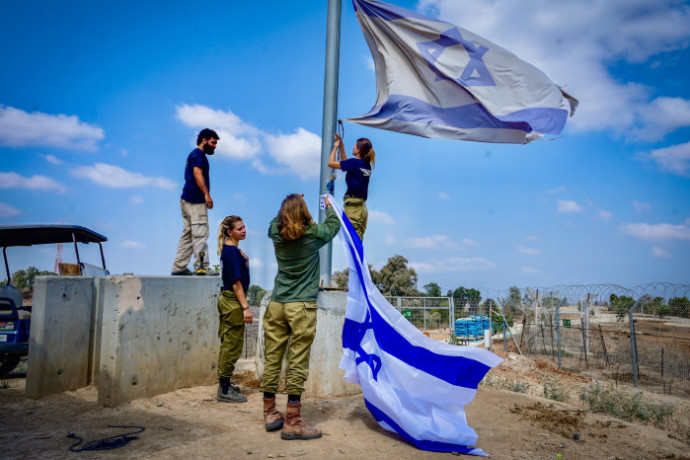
(372, 360)
(432, 50)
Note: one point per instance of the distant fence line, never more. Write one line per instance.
(638, 335)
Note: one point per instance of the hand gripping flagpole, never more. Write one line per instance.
(330, 115)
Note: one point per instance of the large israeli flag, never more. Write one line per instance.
(413, 385)
(434, 79)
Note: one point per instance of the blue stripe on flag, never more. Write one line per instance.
(436, 446)
(409, 109)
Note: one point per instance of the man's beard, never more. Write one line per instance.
(209, 149)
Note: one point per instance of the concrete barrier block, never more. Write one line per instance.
(157, 334)
(60, 337)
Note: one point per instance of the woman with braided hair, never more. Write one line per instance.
(233, 308)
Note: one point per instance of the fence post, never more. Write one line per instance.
(633, 343)
(558, 334)
(505, 327)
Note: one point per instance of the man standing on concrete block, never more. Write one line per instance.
(195, 203)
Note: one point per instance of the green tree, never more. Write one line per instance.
(341, 278)
(463, 296)
(432, 290)
(679, 306)
(255, 294)
(23, 279)
(621, 305)
(396, 278)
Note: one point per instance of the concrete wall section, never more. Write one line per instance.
(157, 334)
(61, 325)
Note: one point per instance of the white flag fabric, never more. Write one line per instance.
(413, 385)
(434, 79)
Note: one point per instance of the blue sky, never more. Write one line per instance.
(100, 103)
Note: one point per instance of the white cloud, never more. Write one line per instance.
(431, 242)
(469, 242)
(568, 206)
(52, 159)
(136, 199)
(238, 140)
(660, 252)
(657, 232)
(674, 159)
(575, 42)
(22, 129)
(390, 240)
(560, 189)
(369, 62)
(239, 198)
(380, 216)
(299, 152)
(116, 177)
(639, 207)
(36, 182)
(132, 244)
(530, 270)
(530, 238)
(444, 196)
(8, 211)
(255, 263)
(529, 251)
(453, 264)
(605, 215)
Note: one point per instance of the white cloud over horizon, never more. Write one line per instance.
(35, 182)
(116, 177)
(432, 242)
(568, 206)
(575, 45)
(131, 244)
(8, 211)
(380, 216)
(657, 232)
(453, 264)
(674, 159)
(298, 153)
(23, 129)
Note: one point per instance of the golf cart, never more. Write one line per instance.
(15, 319)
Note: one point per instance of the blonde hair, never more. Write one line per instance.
(293, 217)
(227, 224)
(366, 151)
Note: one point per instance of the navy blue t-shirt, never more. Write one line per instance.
(191, 192)
(234, 267)
(357, 174)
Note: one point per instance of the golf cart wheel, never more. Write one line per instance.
(8, 363)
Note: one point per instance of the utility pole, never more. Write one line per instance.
(330, 115)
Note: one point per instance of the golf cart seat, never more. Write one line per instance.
(9, 296)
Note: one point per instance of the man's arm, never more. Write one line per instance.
(201, 183)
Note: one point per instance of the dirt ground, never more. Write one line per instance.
(190, 424)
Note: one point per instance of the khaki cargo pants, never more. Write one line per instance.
(356, 210)
(296, 322)
(194, 236)
(230, 332)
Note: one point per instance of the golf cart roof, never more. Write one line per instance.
(28, 235)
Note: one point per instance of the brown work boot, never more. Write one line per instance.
(294, 428)
(273, 418)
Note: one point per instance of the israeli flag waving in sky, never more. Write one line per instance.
(413, 385)
(434, 79)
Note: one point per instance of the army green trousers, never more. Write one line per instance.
(356, 210)
(293, 322)
(230, 332)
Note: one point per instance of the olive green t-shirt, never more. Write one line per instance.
(297, 279)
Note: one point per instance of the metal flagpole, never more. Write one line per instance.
(330, 115)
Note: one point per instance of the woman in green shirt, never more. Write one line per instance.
(291, 313)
